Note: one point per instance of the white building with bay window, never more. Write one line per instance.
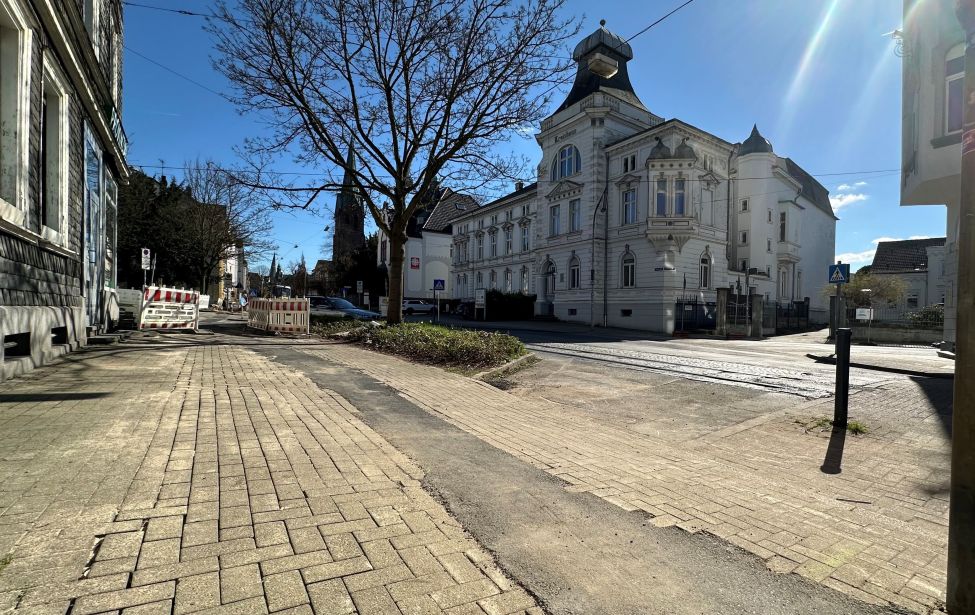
(632, 213)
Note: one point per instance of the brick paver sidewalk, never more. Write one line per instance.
(181, 478)
(877, 531)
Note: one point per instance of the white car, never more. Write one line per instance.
(416, 306)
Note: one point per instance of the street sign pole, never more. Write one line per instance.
(960, 595)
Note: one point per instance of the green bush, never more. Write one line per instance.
(327, 326)
(509, 306)
(932, 316)
(436, 345)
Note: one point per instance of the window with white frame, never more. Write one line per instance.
(768, 245)
(628, 271)
(629, 206)
(661, 197)
(954, 90)
(92, 10)
(52, 194)
(494, 220)
(705, 272)
(525, 239)
(480, 247)
(744, 204)
(912, 301)
(770, 216)
(567, 162)
(575, 278)
(480, 223)
(494, 244)
(507, 241)
(524, 280)
(15, 47)
(524, 211)
(479, 279)
(782, 226)
(507, 280)
(508, 215)
(554, 221)
(494, 279)
(743, 237)
(575, 216)
(679, 208)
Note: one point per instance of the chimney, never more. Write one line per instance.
(519, 186)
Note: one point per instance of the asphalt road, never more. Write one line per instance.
(775, 364)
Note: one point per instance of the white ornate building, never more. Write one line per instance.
(631, 213)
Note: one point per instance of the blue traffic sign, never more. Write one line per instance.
(439, 285)
(839, 274)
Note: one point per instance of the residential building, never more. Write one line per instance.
(631, 212)
(920, 264)
(62, 156)
(429, 244)
(933, 48)
(493, 245)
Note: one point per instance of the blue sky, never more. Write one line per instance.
(817, 76)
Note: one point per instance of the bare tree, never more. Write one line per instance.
(224, 218)
(421, 90)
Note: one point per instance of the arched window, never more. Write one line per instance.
(507, 280)
(705, 271)
(494, 279)
(567, 162)
(575, 278)
(628, 271)
(524, 280)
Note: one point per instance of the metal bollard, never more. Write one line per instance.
(842, 396)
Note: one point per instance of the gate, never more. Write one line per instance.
(693, 314)
(791, 316)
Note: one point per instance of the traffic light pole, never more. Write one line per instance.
(961, 521)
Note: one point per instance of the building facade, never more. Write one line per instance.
(920, 264)
(632, 213)
(428, 245)
(933, 49)
(62, 156)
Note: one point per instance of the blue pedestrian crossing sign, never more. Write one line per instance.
(839, 274)
(439, 284)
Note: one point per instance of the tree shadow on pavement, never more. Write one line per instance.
(833, 462)
(939, 392)
(13, 398)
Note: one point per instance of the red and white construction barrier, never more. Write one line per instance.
(169, 308)
(283, 315)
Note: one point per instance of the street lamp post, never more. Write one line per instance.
(870, 317)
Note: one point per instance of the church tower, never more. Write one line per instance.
(349, 217)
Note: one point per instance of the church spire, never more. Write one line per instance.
(349, 169)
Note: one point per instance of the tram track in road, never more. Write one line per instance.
(804, 383)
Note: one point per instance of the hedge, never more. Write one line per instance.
(432, 344)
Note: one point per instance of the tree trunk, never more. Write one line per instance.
(397, 246)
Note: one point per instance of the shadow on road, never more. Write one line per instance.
(939, 393)
(13, 398)
(833, 462)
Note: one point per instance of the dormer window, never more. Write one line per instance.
(567, 162)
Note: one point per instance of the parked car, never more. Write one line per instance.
(417, 306)
(337, 306)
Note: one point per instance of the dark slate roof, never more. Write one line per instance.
(587, 82)
(527, 188)
(451, 206)
(906, 255)
(811, 189)
(755, 144)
